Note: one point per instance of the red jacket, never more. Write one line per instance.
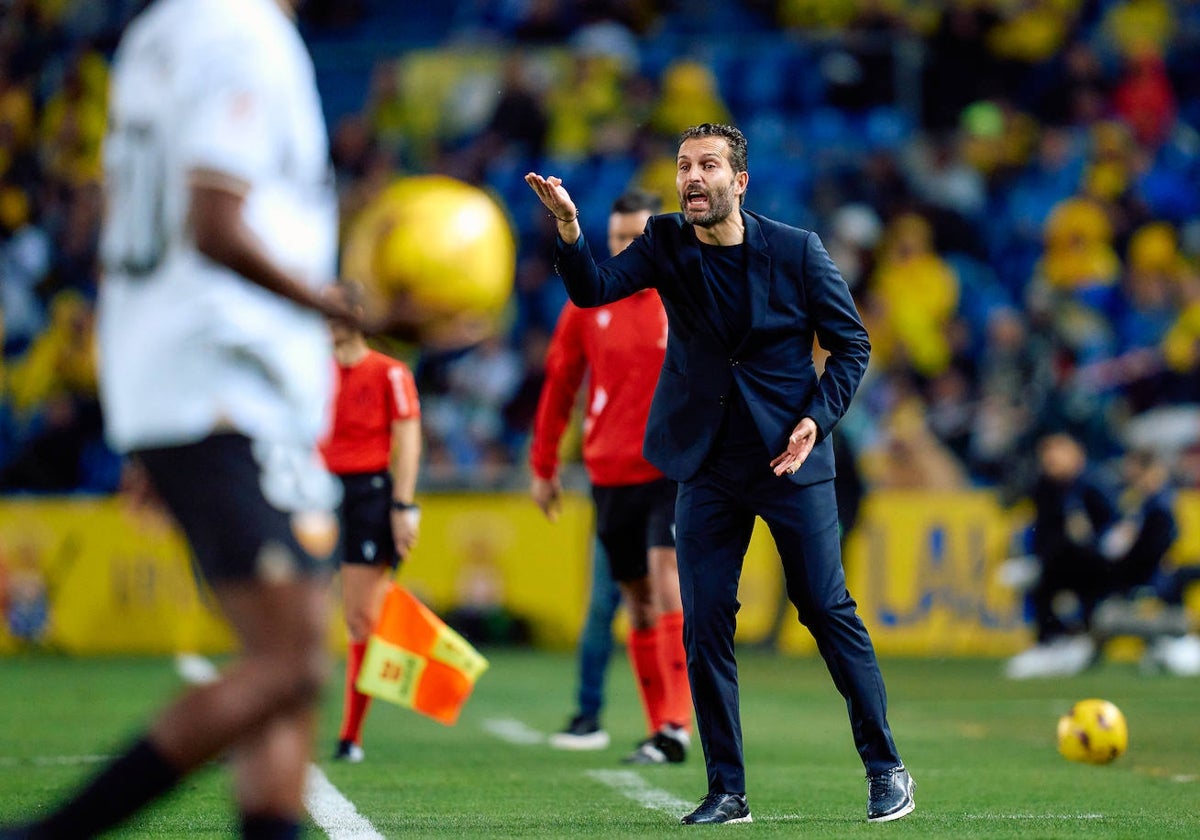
(622, 344)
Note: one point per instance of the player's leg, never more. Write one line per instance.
(596, 639)
(672, 658)
(275, 594)
(364, 589)
(677, 700)
(262, 705)
(584, 730)
(368, 561)
(621, 526)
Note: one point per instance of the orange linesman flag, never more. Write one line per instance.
(414, 660)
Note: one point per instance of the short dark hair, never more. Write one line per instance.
(733, 136)
(636, 200)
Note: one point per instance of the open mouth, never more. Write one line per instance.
(696, 199)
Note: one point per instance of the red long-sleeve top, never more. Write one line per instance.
(371, 394)
(622, 345)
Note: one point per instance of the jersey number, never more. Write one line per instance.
(135, 238)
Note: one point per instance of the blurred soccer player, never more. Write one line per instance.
(621, 346)
(375, 450)
(220, 232)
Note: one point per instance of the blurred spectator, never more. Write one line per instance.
(938, 174)
(389, 114)
(1100, 555)
(909, 456)
(1016, 379)
(1074, 283)
(855, 231)
(584, 105)
(1145, 100)
(53, 389)
(918, 293)
(1074, 507)
(72, 123)
(1080, 92)
(25, 252)
(518, 123)
(1137, 25)
(688, 95)
(959, 69)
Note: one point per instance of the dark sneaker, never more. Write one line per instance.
(647, 752)
(582, 733)
(719, 808)
(673, 742)
(349, 752)
(890, 795)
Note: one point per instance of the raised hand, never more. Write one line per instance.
(558, 201)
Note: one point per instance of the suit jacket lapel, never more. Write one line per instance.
(758, 273)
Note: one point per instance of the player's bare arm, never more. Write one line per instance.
(221, 234)
(558, 201)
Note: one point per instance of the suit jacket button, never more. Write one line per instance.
(721, 400)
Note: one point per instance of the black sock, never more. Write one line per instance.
(260, 827)
(122, 788)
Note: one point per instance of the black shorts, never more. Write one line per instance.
(215, 491)
(366, 519)
(630, 520)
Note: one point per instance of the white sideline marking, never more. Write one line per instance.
(513, 731)
(334, 813)
(632, 786)
(1034, 816)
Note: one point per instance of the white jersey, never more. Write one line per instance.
(188, 347)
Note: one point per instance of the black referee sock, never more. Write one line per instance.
(258, 827)
(134, 779)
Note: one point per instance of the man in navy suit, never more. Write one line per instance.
(741, 420)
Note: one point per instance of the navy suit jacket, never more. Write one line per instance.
(795, 292)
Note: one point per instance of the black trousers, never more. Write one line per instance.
(715, 514)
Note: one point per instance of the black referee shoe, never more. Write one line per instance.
(719, 808)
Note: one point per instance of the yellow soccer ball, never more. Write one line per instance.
(445, 243)
(1093, 731)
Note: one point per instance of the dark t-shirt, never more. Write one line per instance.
(724, 269)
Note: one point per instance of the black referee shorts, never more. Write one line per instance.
(366, 519)
(630, 520)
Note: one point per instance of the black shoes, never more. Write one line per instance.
(668, 745)
(890, 795)
(582, 733)
(349, 752)
(717, 808)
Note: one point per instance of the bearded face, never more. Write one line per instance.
(709, 190)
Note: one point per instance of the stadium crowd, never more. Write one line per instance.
(1008, 187)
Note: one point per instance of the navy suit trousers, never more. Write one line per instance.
(715, 515)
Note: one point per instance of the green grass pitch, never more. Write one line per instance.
(981, 748)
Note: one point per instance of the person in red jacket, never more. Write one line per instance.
(374, 448)
(621, 346)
